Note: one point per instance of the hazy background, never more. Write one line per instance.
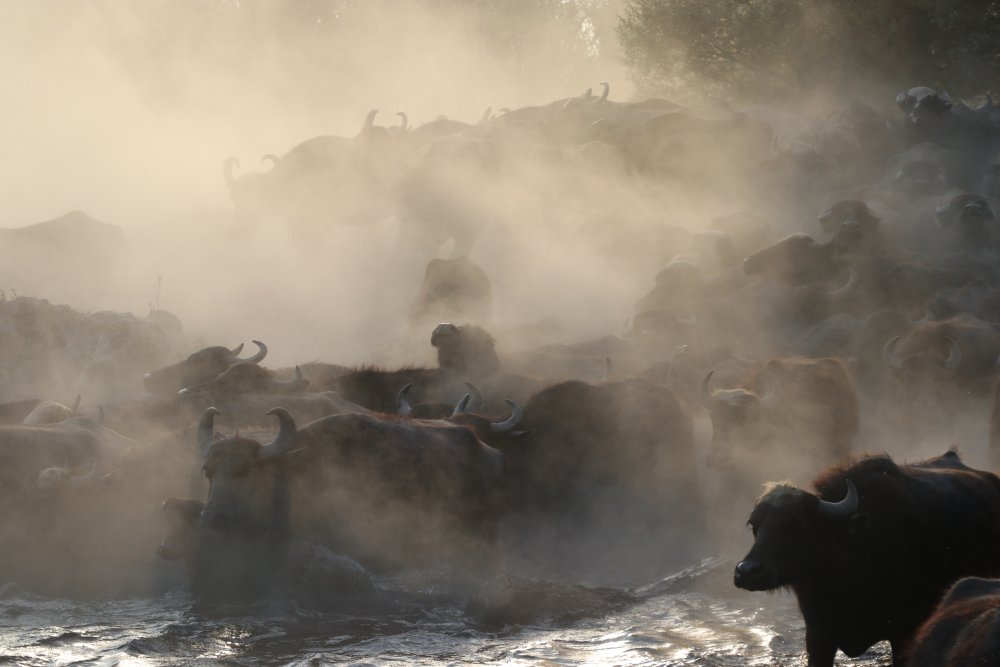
(127, 110)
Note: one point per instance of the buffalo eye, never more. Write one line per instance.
(206, 472)
(753, 526)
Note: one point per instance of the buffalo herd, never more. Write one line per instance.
(764, 349)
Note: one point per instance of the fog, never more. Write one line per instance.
(127, 113)
(612, 233)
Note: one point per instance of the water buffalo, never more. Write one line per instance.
(597, 475)
(937, 366)
(437, 410)
(246, 377)
(50, 412)
(796, 260)
(932, 116)
(202, 366)
(790, 415)
(965, 627)
(466, 351)
(453, 289)
(307, 571)
(27, 450)
(977, 299)
(392, 491)
(872, 551)
(973, 221)
(377, 388)
(845, 213)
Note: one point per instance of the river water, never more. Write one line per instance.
(692, 618)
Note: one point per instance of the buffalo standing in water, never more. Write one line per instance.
(871, 553)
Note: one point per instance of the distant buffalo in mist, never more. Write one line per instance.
(199, 368)
(452, 290)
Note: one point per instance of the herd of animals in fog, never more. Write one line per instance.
(848, 303)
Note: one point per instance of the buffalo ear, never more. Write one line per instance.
(858, 523)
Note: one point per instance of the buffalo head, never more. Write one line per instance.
(202, 366)
(790, 527)
(243, 476)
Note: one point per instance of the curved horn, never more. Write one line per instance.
(227, 171)
(846, 288)
(205, 430)
(403, 407)
(844, 508)
(704, 390)
(76, 404)
(297, 383)
(954, 357)
(236, 350)
(370, 118)
(607, 89)
(258, 357)
(516, 413)
(100, 415)
(486, 115)
(404, 122)
(477, 396)
(272, 158)
(890, 356)
(286, 434)
(84, 480)
(462, 406)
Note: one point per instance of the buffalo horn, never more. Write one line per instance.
(256, 358)
(704, 391)
(462, 406)
(844, 508)
(954, 357)
(486, 115)
(227, 171)
(403, 407)
(890, 356)
(370, 118)
(272, 158)
(846, 287)
(286, 433)
(84, 480)
(477, 396)
(404, 122)
(76, 404)
(205, 430)
(516, 413)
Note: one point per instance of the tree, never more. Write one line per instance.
(758, 49)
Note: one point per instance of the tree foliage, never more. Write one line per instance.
(758, 49)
